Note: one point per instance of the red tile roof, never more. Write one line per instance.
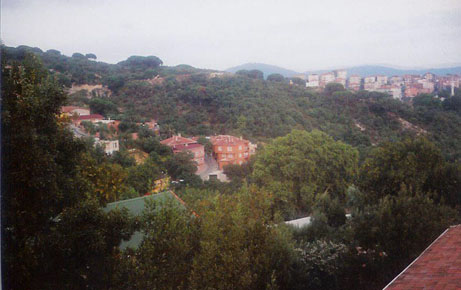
(67, 109)
(181, 147)
(438, 267)
(177, 140)
(224, 140)
(90, 117)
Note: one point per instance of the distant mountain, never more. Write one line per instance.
(267, 69)
(367, 70)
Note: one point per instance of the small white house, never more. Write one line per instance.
(109, 146)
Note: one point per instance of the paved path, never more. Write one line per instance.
(77, 132)
(211, 167)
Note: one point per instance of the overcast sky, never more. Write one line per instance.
(299, 35)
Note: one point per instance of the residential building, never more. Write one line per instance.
(231, 150)
(427, 84)
(396, 80)
(109, 146)
(354, 82)
(178, 140)
(393, 90)
(429, 76)
(369, 79)
(341, 81)
(313, 81)
(74, 110)
(326, 78)
(197, 150)
(413, 90)
(340, 74)
(93, 118)
(182, 144)
(438, 266)
(153, 125)
(381, 80)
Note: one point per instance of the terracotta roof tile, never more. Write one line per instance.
(89, 117)
(438, 267)
(177, 140)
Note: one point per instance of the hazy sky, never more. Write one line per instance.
(299, 35)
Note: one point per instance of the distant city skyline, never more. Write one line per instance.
(297, 35)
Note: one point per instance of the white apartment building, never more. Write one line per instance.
(340, 74)
(109, 146)
(381, 80)
(312, 81)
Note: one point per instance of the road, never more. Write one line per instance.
(77, 132)
(211, 167)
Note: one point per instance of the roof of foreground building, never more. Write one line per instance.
(136, 206)
(438, 267)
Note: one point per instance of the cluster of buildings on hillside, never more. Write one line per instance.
(225, 149)
(397, 86)
(110, 144)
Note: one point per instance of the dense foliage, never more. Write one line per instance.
(323, 155)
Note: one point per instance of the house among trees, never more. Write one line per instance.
(182, 144)
(109, 146)
(231, 150)
(151, 125)
(438, 267)
(74, 110)
(93, 118)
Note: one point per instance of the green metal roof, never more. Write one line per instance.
(135, 207)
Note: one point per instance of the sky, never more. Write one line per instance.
(300, 35)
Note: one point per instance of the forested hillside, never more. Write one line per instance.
(191, 101)
(380, 180)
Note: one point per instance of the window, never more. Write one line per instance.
(230, 155)
(240, 155)
(240, 147)
(219, 148)
(229, 148)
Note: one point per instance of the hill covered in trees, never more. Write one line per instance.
(200, 102)
(392, 167)
(267, 69)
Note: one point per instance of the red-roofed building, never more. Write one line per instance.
(74, 110)
(178, 140)
(438, 267)
(231, 150)
(182, 144)
(91, 118)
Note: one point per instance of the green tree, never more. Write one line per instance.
(303, 164)
(252, 74)
(415, 163)
(143, 176)
(164, 258)
(141, 62)
(398, 227)
(182, 167)
(240, 247)
(54, 235)
(275, 78)
(103, 106)
(90, 56)
(331, 88)
(82, 250)
(206, 143)
(319, 265)
(78, 55)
